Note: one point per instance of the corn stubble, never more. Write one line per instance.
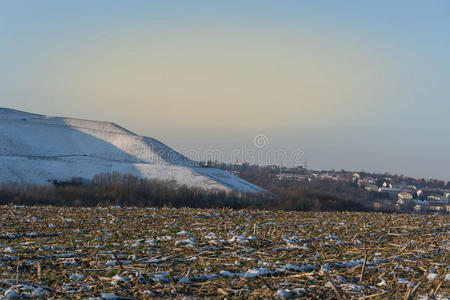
(146, 253)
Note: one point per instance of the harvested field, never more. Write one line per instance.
(115, 253)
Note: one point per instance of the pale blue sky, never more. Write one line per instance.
(361, 85)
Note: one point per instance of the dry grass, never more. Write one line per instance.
(196, 253)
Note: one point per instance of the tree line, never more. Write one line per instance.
(346, 191)
(129, 190)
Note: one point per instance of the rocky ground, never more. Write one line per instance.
(123, 253)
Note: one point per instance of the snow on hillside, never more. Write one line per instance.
(39, 149)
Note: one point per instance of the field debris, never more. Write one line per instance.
(143, 253)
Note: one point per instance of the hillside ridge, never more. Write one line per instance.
(38, 149)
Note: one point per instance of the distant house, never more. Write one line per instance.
(290, 176)
(419, 194)
(391, 192)
(437, 206)
(434, 198)
(387, 184)
(371, 180)
(410, 189)
(362, 181)
(326, 176)
(404, 197)
(371, 187)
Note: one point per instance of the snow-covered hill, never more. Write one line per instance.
(39, 149)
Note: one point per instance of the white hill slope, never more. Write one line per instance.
(39, 149)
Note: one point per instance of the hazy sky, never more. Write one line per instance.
(359, 85)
